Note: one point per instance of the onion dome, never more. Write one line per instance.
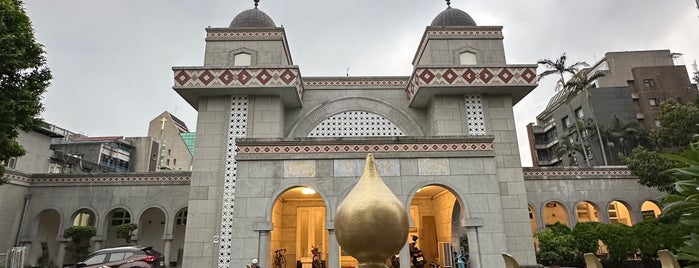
(453, 17)
(252, 18)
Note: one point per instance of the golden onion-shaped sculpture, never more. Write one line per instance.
(371, 224)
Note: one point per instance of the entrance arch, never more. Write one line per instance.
(151, 227)
(435, 218)
(298, 220)
(553, 212)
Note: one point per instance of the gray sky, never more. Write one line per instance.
(111, 60)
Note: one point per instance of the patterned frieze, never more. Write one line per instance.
(244, 35)
(238, 77)
(342, 82)
(569, 173)
(366, 148)
(176, 178)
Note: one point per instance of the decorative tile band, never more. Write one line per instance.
(466, 32)
(583, 172)
(355, 83)
(10, 176)
(115, 179)
(237, 77)
(476, 76)
(237, 35)
(364, 148)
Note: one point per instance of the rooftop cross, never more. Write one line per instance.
(448, 3)
(256, 2)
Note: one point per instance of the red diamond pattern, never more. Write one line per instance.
(288, 76)
(263, 77)
(426, 76)
(485, 75)
(469, 75)
(529, 75)
(206, 77)
(505, 75)
(182, 77)
(449, 76)
(244, 77)
(226, 77)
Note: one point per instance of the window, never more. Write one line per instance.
(181, 218)
(242, 59)
(653, 102)
(579, 113)
(174, 162)
(84, 217)
(169, 152)
(120, 217)
(116, 256)
(468, 58)
(167, 162)
(657, 123)
(11, 163)
(97, 259)
(649, 82)
(566, 122)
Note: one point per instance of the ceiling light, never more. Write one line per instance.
(305, 190)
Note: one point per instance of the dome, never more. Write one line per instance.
(453, 17)
(252, 18)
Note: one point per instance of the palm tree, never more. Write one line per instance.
(582, 82)
(627, 136)
(566, 147)
(558, 66)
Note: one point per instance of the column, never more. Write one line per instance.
(405, 255)
(473, 250)
(167, 249)
(263, 248)
(333, 260)
(263, 243)
(97, 243)
(60, 256)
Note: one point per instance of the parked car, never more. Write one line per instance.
(124, 257)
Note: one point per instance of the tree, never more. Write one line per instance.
(581, 82)
(24, 77)
(79, 245)
(625, 137)
(559, 67)
(678, 122)
(556, 245)
(125, 231)
(685, 201)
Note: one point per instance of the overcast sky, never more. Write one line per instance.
(111, 60)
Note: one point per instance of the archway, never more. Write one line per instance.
(434, 219)
(619, 213)
(115, 218)
(298, 217)
(532, 219)
(45, 244)
(554, 212)
(178, 232)
(586, 212)
(84, 217)
(650, 210)
(151, 227)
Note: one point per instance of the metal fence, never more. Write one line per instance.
(15, 257)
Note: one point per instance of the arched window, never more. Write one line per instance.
(120, 216)
(242, 59)
(181, 218)
(468, 58)
(84, 217)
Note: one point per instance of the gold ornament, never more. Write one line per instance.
(371, 224)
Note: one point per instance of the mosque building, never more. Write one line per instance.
(276, 153)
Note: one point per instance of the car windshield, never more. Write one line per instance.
(95, 259)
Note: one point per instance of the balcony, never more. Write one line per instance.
(515, 80)
(192, 83)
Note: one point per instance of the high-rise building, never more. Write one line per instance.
(634, 84)
(174, 141)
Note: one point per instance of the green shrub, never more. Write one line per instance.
(620, 240)
(587, 236)
(125, 231)
(79, 245)
(556, 245)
